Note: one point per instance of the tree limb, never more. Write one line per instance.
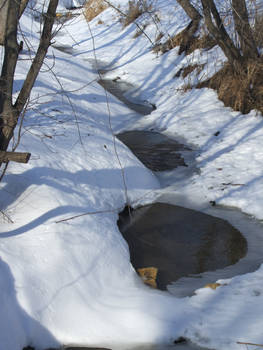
(39, 58)
(243, 29)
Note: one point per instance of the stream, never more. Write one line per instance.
(189, 246)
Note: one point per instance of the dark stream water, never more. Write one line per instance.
(118, 88)
(156, 151)
(179, 241)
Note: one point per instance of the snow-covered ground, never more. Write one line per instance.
(71, 282)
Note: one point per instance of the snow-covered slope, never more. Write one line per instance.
(71, 282)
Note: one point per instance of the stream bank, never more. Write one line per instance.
(217, 241)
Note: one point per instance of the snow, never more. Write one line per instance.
(71, 282)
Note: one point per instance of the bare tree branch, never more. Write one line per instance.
(39, 58)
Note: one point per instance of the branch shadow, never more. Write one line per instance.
(70, 183)
(18, 328)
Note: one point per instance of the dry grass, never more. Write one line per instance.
(139, 32)
(243, 90)
(258, 30)
(93, 8)
(169, 44)
(63, 17)
(135, 10)
(204, 42)
(184, 72)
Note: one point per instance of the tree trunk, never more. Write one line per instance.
(23, 6)
(39, 58)
(8, 118)
(243, 29)
(190, 10)
(193, 26)
(217, 30)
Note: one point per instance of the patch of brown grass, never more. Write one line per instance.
(169, 44)
(242, 90)
(184, 72)
(136, 9)
(204, 42)
(93, 8)
(193, 43)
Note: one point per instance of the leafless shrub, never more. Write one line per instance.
(136, 9)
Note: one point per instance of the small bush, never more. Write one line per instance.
(135, 10)
(93, 8)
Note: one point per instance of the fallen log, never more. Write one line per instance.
(19, 157)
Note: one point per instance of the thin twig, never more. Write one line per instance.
(244, 343)
(9, 220)
(90, 213)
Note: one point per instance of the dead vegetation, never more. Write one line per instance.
(243, 90)
(185, 71)
(140, 31)
(258, 30)
(136, 9)
(185, 43)
(93, 8)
